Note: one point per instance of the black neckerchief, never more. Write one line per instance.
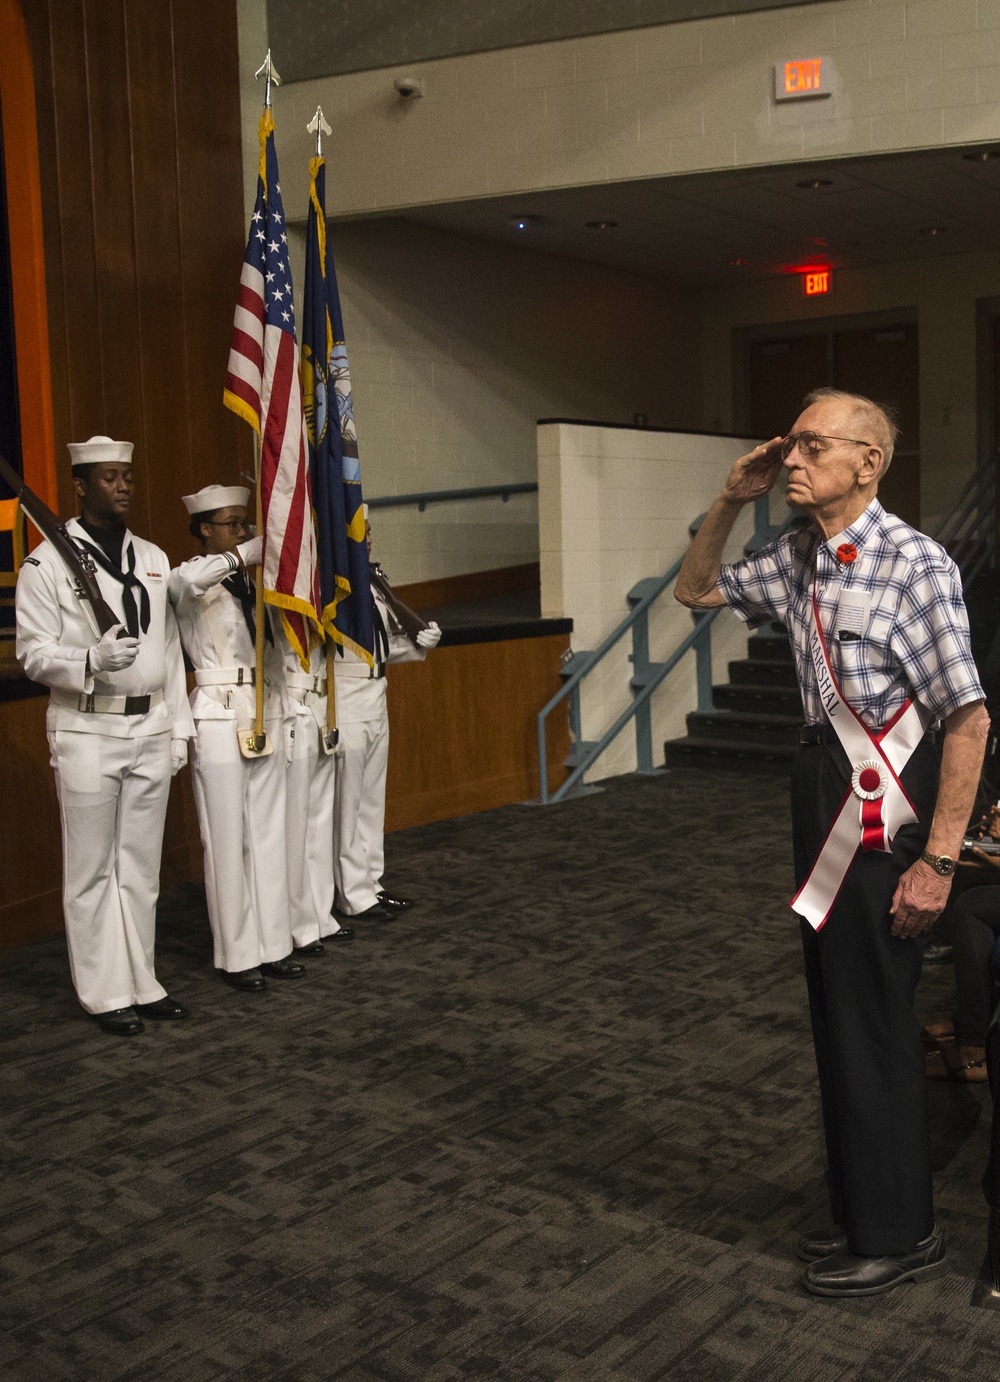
(242, 588)
(136, 617)
(381, 636)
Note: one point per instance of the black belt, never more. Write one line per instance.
(826, 734)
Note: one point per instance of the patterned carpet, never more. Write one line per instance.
(558, 1124)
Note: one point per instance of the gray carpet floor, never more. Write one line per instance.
(560, 1122)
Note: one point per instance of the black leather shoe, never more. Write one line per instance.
(246, 980)
(119, 1022)
(845, 1274)
(821, 1242)
(346, 933)
(283, 969)
(376, 913)
(163, 1010)
(313, 948)
(398, 904)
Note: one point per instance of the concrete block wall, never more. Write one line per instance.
(614, 506)
(676, 98)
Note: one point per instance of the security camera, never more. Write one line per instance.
(409, 87)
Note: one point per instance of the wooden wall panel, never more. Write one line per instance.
(138, 117)
(462, 729)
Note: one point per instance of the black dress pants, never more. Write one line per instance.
(862, 982)
(972, 926)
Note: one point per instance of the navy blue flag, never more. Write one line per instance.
(335, 473)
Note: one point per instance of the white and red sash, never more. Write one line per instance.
(876, 804)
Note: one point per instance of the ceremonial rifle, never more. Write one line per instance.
(80, 566)
(409, 621)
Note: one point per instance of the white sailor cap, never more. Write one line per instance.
(100, 451)
(214, 497)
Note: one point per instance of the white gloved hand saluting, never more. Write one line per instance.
(112, 654)
(178, 755)
(252, 551)
(430, 637)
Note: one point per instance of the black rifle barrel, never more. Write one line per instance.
(49, 526)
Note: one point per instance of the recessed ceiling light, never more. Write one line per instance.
(982, 156)
(814, 184)
(933, 231)
(525, 222)
(600, 225)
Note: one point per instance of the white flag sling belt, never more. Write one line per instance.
(876, 804)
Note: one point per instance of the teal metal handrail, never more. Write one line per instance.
(449, 496)
(969, 532)
(646, 677)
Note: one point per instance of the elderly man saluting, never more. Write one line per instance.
(880, 635)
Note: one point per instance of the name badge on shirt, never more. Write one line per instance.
(854, 610)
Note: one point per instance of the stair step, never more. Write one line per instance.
(780, 700)
(770, 648)
(727, 753)
(747, 727)
(762, 672)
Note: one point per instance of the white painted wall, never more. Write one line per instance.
(614, 506)
(458, 347)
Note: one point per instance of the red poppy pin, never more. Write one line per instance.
(847, 552)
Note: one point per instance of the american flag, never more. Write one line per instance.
(263, 388)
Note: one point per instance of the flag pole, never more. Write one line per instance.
(259, 733)
(259, 743)
(318, 126)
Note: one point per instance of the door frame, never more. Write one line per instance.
(745, 336)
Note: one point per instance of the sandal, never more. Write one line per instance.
(964, 1064)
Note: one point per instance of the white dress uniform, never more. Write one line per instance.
(310, 786)
(240, 801)
(110, 739)
(363, 721)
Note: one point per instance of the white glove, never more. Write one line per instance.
(178, 755)
(112, 654)
(252, 551)
(429, 637)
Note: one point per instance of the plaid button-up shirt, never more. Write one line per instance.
(916, 642)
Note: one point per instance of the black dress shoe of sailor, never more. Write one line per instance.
(376, 913)
(246, 980)
(846, 1274)
(119, 1022)
(821, 1242)
(313, 948)
(283, 969)
(346, 933)
(163, 1010)
(397, 904)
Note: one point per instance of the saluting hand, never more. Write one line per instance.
(754, 474)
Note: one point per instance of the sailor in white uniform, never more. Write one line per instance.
(240, 801)
(363, 720)
(118, 724)
(309, 787)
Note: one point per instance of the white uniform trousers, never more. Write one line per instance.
(310, 784)
(359, 855)
(241, 813)
(113, 803)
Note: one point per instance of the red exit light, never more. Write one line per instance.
(804, 77)
(817, 281)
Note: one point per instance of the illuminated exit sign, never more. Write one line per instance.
(803, 78)
(817, 282)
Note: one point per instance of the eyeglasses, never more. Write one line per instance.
(235, 525)
(809, 444)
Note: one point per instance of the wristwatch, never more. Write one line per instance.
(941, 863)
